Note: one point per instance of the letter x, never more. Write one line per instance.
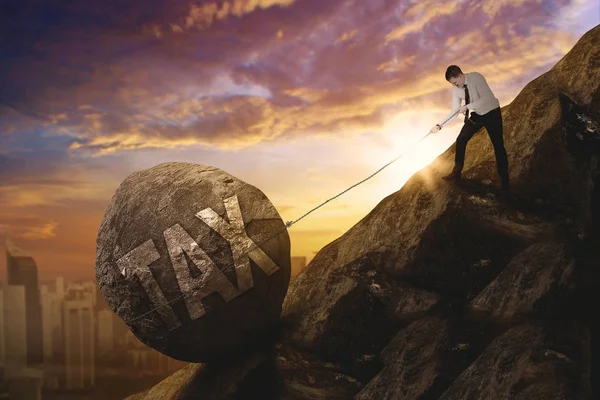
(242, 247)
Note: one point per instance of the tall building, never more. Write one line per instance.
(51, 323)
(1, 325)
(298, 264)
(27, 385)
(21, 270)
(91, 288)
(106, 336)
(46, 296)
(15, 328)
(52, 309)
(120, 331)
(79, 338)
(59, 287)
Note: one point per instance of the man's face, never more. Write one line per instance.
(459, 81)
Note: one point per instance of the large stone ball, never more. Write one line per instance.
(180, 258)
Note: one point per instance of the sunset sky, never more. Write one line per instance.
(301, 98)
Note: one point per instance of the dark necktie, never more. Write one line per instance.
(467, 100)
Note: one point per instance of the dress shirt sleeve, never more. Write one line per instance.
(455, 106)
(483, 89)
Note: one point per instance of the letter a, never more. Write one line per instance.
(211, 279)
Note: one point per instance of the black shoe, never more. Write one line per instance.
(452, 177)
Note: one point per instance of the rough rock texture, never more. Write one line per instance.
(512, 257)
(412, 361)
(281, 373)
(454, 292)
(518, 364)
(539, 272)
(433, 235)
(410, 303)
(152, 247)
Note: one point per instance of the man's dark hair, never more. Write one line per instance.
(453, 71)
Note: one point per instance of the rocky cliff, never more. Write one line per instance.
(450, 291)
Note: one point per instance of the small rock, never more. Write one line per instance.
(366, 357)
(375, 289)
(556, 354)
(345, 377)
(477, 200)
(461, 347)
(482, 263)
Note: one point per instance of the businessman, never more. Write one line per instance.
(485, 112)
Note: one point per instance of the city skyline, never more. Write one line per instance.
(78, 344)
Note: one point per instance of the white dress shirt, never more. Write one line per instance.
(482, 99)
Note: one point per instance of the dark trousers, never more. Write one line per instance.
(492, 121)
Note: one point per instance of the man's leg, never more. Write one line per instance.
(466, 133)
(494, 126)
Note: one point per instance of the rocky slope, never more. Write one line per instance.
(450, 291)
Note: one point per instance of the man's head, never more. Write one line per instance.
(455, 76)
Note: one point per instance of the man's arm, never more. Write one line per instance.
(483, 89)
(455, 106)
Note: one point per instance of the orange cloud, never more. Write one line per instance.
(422, 13)
(241, 121)
(346, 36)
(215, 89)
(27, 226)
(203, 16)
(42, 232)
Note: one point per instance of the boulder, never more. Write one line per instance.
(194, 260)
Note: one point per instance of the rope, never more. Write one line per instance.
(287, 225)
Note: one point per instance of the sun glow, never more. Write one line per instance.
(402, 138)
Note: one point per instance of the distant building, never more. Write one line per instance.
(52, 323)
(15, 328)
(121, 330)
(27, 385)
(106, 334)
(298, 264)
(21, 270)
(79, 338)
(91, 288)
(59, 287)
(2, 328)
